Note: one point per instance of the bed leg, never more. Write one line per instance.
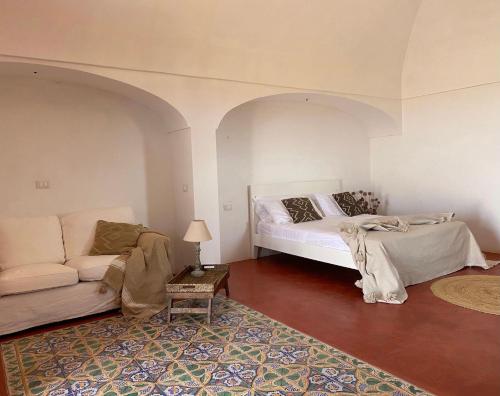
(256, 252)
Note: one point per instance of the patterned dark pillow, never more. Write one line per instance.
(301, 209)
(369, 202)
(349, 204)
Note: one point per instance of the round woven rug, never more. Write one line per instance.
(478, 292)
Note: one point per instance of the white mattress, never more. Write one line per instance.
(320, 233)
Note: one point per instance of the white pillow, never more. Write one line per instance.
(277, 211)
(262, 213)
(327, 204)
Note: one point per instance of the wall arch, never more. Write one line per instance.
(204, 103)
(379, 116)
(172, 117)
(100, 142)
(287, 137)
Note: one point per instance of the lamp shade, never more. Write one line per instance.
(197, 232)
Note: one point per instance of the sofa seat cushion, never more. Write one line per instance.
(91, 268)
(79, 228)
(30, 240)
(32, 277)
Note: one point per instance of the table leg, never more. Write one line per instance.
(226, 287)
(209, 310)
(169, 308)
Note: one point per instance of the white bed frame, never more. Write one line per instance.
(301, 249)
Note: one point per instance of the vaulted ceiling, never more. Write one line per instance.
(352, 46)
(384, 48)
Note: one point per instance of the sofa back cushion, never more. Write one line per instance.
(79, 228)
(30, 240)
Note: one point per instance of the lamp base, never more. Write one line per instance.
(197, 273)
(197, 270)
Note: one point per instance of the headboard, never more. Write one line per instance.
(292, 188)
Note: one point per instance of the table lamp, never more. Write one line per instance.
(197, 232)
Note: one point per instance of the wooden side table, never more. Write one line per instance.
(187, 287)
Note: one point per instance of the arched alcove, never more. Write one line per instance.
(289, 137)
(379, 116)
(99, 143)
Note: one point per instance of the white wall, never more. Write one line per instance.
(86, 142)
(447, 160)
(454, 44)
(447, 157)
(96, 148)
(205, 58)
(203, 102)
(344, 48)
(279, 141)
(181, 166)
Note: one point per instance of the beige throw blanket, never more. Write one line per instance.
(139, 275)
(409, 250)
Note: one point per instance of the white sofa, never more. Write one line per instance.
(46, 274)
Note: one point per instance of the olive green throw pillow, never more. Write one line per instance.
(114, 238)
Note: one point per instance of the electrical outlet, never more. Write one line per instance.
(42, 184)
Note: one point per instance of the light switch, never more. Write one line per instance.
(185, 188)
(42, 184)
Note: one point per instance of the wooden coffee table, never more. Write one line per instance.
(187, 287)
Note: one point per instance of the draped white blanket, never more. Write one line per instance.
(409, 250)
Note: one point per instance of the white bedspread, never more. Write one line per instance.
(393, 252)
(322, 233)
(394, 259)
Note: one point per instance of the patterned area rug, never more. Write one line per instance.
(478, 292)
(241, 353)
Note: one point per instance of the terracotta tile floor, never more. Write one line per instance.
(446, 349)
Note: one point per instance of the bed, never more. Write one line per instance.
(296, 241)
(389, 261)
